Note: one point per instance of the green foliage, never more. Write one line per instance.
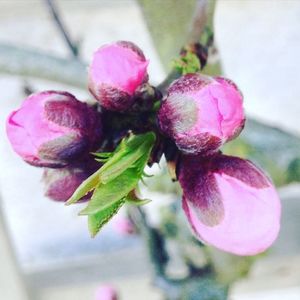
(204, 289)
(275, 150)
(188, 63)
(96, 221)
(113, 183)
(294, 170)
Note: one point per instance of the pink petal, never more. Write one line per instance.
(119, 67)
(230, 106)
(251, 218)
(209, 119)
(19, 138)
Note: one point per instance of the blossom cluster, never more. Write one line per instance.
(229, 202)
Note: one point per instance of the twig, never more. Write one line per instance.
(62, 28)
(26, 62)
(155, 242)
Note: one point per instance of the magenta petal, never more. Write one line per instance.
(230, 106)
(19, 138)
(119, 66)
(203, 196)
(251, 220)
(241, 169)
(69, 113)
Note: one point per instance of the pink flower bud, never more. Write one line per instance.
(116, 72)
(60, 184)
(53, 128)
(106, 292)
(230, 203)
(201, 113)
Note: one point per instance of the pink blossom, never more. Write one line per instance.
(106, 292)
(201, 113)
(53, 128)
(230, 203)
(117, 70)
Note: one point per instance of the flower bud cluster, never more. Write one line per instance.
(54, 130)
(228, 201)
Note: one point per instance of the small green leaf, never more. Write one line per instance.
(107, 194)
(86, 186)
(124, 163)
(127, 147)
(96, 221)
(189, 63)
(133, 148)
(114, 181)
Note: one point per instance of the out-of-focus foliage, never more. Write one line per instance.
(272, 148)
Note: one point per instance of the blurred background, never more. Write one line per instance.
(45, 249)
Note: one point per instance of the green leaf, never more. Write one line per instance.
(114, 181)
(86, 186)
(107, 194)
(123, 163)
(127, 147)
(118, 187)
(126, 155)
(96, 221)
(130, 150)
(189, 63)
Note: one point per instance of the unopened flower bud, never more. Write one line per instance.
(53, 128)
(230, 203)
(115, 73)
(60, 184)
(201, 113)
